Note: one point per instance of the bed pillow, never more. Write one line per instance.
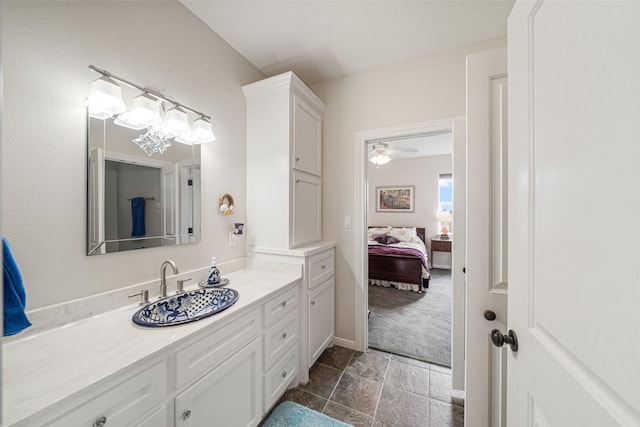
(372, 232)
(404, 234)
(385, 239)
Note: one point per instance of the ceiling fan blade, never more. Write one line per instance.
(405, 150)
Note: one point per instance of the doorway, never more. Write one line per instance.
(363, 139)
(409, 290)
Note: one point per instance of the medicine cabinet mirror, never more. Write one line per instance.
(135, 201)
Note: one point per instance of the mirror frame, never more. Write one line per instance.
(179, 195)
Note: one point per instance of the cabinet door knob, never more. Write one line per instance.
(185, 415)
(284, 335)
(297, 181)
(297, 159)
(323, 266)
(284, 303)
(100, 422)
(284, 374)
(313, 303)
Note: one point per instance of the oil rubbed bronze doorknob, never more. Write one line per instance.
(489, 315)
(498, 339)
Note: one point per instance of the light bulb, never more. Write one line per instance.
(176, 123)
(105, 99)
(202, 131)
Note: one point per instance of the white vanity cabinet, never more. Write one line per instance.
(226, 365)
(321, 304)
(317, 299)
(281, 350)
(228, 395)
(225, 371)
(321, 319)
(132, 399)
(284, 145)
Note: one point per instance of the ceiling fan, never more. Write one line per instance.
(380, 152)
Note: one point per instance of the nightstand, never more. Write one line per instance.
(439, 245)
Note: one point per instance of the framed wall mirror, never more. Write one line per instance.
(136, 201)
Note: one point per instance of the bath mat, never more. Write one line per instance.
(290, 414)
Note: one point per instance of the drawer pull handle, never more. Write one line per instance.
(284, 374)
(313, 303)
(284, 303)
(185, 415)
(100, 422)
(284, 335)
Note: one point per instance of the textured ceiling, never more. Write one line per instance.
(322, 40)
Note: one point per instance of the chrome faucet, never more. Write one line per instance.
(163, 276)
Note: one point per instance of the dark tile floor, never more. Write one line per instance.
(377, 389)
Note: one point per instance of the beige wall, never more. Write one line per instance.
(421, 172)
(419, 90)
(46, 48)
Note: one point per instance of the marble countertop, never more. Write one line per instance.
(44, 369)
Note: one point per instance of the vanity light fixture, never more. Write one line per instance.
(144, 112)
(200, 132)
(176, 122)
(105, 98)
(105, 101)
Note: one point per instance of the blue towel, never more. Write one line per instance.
(137, 214)
(15, 298)
(290, 414)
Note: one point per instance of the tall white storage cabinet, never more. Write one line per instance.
(284, 199)
(284, 151)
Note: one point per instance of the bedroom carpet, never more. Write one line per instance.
(411, 324)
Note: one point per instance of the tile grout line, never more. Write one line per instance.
(384, 380)
(337, 382)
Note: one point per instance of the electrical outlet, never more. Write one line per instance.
(232, 239)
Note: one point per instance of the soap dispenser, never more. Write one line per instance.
(214, 273)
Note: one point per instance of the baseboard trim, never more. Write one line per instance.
(350, 344)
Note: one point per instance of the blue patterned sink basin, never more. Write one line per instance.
(186, 307)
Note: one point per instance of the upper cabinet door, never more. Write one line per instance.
(306, 131)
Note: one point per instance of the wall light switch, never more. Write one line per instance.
(347, 222)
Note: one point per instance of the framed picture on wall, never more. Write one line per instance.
(395, 199)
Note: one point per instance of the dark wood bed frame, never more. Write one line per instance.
(398, 268)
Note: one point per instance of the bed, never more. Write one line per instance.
(403, 265)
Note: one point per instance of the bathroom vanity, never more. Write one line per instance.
(105, 371)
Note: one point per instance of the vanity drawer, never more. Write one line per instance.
(280, 376)
(212, 349)
(320, 268)
(278, 307)
(279, 338)
(120, 404)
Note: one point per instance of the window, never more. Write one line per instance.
(445, 192)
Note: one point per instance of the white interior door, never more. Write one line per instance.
(574, 292)
(486, 264)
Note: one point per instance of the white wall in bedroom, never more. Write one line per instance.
(421, 172)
